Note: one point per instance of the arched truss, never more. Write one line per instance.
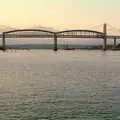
(42, 33)
(61, 34)
(80, 34)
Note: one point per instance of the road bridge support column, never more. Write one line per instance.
(105, 37)
(115, 42)
(3, 42)
(105, 43)
(55, 42)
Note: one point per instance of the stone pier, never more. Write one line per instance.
(3, 42)
(55, 42)
(105, 37)
(115, 42)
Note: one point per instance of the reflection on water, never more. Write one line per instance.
(67, 85)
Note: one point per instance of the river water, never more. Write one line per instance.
(63, 85)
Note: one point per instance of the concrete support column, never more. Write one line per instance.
(4, 42)
(105, 44)
(105, 37)
(55, 42)
(114, 42)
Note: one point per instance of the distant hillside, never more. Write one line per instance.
(51, 46)
(44, 28)
(5, 28)
(36, 32)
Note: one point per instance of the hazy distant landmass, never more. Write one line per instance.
(7, 28)
(4, 28)
(51, 46)
(43, 28)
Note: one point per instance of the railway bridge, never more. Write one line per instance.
(61, 34)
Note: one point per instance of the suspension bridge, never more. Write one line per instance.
(105, 34)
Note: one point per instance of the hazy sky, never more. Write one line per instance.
(59, 14)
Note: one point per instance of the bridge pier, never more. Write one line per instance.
(105, 37)
(3, 42)
(115, 42)
(105, 44)
(55, 42)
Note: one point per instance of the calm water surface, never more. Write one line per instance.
(67, 85)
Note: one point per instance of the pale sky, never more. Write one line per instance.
(59, 14)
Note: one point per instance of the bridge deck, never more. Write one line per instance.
(59, 36)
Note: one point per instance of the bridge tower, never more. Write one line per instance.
(105, 36)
